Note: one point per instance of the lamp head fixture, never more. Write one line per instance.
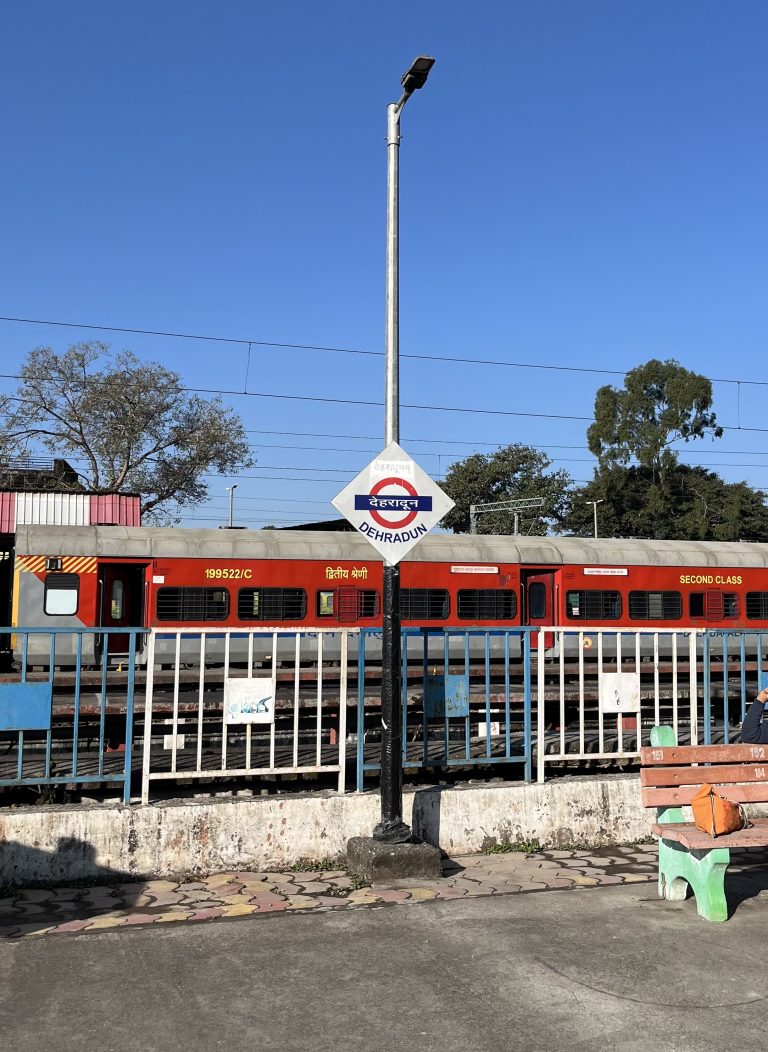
(416, 77)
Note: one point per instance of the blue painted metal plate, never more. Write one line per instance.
(25, 706)
(446, 696)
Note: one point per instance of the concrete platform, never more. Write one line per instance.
(588, 970)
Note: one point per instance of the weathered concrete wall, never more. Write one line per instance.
(204, 836)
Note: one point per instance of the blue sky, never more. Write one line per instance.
(582, 184)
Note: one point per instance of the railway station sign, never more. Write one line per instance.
(393, 503)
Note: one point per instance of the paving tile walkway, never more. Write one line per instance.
(32, 912)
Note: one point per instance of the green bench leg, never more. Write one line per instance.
(703, 870)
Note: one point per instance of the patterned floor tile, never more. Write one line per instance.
(66, 910)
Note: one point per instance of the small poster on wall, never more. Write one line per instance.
(619, 692)
(249, 700)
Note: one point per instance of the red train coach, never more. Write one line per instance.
(109, 576)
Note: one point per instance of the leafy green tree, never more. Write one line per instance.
(128, 425)
(690, 503)
(661, 403)
(513, 472)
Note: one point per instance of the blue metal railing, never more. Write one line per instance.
(442, 712)
(726, 694)
(53, 735)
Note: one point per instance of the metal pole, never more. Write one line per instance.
(231, 489)
(391, 828)
(594, 508)
(517, 522)
(473, 518)
(392, 325)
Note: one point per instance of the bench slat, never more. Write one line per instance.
(668, 756)
(674, 796)
(695, 840)
(715, 775)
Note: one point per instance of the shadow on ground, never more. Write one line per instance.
(28, 906)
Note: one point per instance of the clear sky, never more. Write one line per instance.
(582, 184)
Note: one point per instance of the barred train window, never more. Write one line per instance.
(271, 604)
(61, 594)
(593, 605)
(487, 604)
(714, 605)
(424, 604)
(655, 606)
(192, 604)
(757, 606)
(348, 604)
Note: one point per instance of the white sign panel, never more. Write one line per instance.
(249, 700)
(605, 571)
(619, 692)
(474, 569)
(393, 503)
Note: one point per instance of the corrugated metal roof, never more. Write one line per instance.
(164, 542)
(53, 509)
(7, 512)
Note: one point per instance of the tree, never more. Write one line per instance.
(511, 473)
(661, 403)
(691, 503)
(128, 424)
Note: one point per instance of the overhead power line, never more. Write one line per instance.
(248, 342)
(279, 396)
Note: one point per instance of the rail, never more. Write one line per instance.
(573, 720)
(88, 744)
(241, 721)
(447, 719)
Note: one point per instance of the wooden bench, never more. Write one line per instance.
(669, 780)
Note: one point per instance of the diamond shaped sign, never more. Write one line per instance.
(393, 503)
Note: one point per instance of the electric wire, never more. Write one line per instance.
(250, 342)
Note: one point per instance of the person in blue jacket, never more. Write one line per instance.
(754, 728)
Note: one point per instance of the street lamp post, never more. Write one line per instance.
(594, 504)
(231, 491)
(391, 828)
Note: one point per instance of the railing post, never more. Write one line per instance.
(707, 687)
(128, 767)
(540, 707)
(361, 710)
(693, 686)
(343, 711)
(147, 757)
(527, 736)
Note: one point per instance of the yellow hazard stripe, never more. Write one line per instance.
(80, 565)
(69, 564)
(31, 563)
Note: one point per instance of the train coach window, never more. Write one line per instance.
(593, 605)
(655, 606)
(61, 594)
(192, 604)
(486, 604)
(757, 606)
(424, 604)
(348, 604)
(714, 605)
(271, 604)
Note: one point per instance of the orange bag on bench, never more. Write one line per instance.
(716, 815)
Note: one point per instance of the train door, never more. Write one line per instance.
(538, 589)
(121, 600)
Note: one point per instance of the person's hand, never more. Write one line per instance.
(763, 695)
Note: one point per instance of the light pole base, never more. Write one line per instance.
(377, 862)
(394, 833)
